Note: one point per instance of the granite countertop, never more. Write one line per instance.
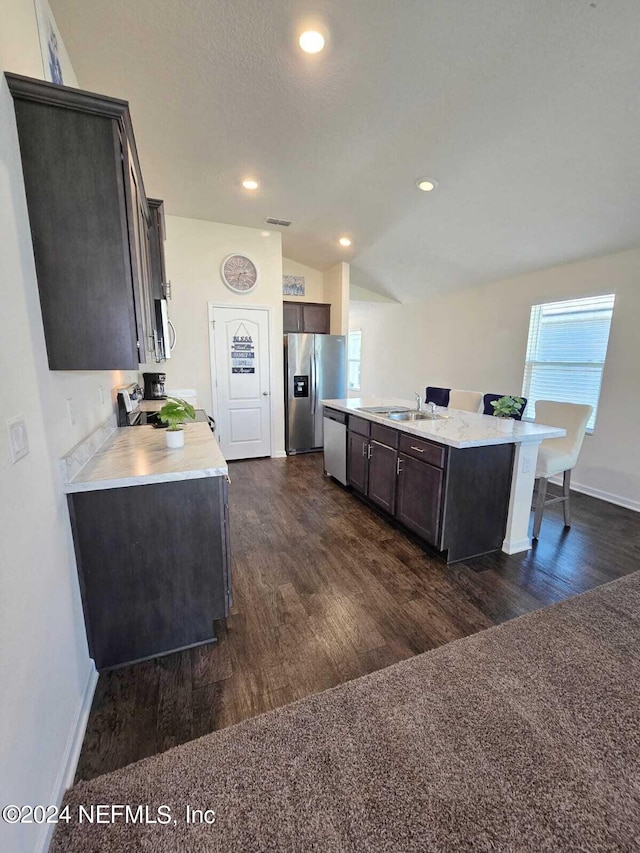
(458, 429)
(136, 456)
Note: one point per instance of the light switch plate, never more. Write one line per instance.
(18, 438)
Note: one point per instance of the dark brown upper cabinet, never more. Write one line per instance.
(312, 317)
(159, 284)
(90, 225)
(291, 317)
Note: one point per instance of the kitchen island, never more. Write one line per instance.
(460, 481)
(151, 535)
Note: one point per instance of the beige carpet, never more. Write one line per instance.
(525, 737)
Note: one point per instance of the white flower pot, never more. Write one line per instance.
(505, 424)
(175, 438)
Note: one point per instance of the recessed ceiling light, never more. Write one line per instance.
(250, 184)
(311, 41)
(426, 184)
(344, 241)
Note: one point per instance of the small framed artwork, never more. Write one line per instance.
(293, 285)
(49, 42)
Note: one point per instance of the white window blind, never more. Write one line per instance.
(566, 352)
(354, 349)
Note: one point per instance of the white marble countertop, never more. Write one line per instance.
(457, 429)
(156, 405)
(136, 456)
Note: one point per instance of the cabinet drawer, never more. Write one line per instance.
(359, 425)
(426, 451)
(385, 435)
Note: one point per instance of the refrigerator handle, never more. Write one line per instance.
(315, 383)
(312, 381)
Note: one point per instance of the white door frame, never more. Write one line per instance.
(212, 360)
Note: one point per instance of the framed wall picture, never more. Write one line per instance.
(293, 285)
(50, 43)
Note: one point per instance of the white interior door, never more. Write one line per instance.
(241, 382)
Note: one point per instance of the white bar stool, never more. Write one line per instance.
(558, 455)
(467, 401)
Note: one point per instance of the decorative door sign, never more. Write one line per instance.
(243, 351)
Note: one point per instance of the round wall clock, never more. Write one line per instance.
(239, 273)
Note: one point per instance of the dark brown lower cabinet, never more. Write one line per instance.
(455, 500)
(358, 461)
(419, 503)
(383, 463)
(154, 566)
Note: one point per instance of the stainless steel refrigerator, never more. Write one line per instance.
(315, 369)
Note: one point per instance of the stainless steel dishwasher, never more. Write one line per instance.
(335, 445)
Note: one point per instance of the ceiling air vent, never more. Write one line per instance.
(271, 220)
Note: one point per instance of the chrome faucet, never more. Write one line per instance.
(418, 401)
(432, 408)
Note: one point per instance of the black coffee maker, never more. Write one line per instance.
(154, 386)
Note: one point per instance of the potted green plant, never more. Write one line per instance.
(174, 413)
(506, 408)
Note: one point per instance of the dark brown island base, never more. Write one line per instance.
(455, 501)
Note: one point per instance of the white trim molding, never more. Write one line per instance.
(610, 498)
(69, 764)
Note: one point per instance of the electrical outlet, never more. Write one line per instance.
(18, 438)
(526, 465)
(71, 411)
(101, 393)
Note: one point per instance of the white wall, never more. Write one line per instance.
(313, 280)
(336, 291)
(45, 669)
(330, 287)
(476, 339)
(194, 253)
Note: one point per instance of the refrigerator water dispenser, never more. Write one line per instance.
(300, 386)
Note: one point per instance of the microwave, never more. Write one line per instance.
(164, 332)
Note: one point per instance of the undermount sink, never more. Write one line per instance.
(383, 410)
(415, 416)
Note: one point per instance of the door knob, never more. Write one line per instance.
(265, 393)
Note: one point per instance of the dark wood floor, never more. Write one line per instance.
(325, 591)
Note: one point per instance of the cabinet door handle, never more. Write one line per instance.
(368, 451)
(364, 448)
(417, 449)
(399, 466)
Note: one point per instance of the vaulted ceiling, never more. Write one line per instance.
(525, 111)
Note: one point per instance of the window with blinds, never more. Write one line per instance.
(354, 349)
(566, 352)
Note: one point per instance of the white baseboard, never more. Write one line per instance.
(69, 763)
(610, 498)
(517, 546)
(279, 454)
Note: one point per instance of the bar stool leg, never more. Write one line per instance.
(566, 486)
(542, 496)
